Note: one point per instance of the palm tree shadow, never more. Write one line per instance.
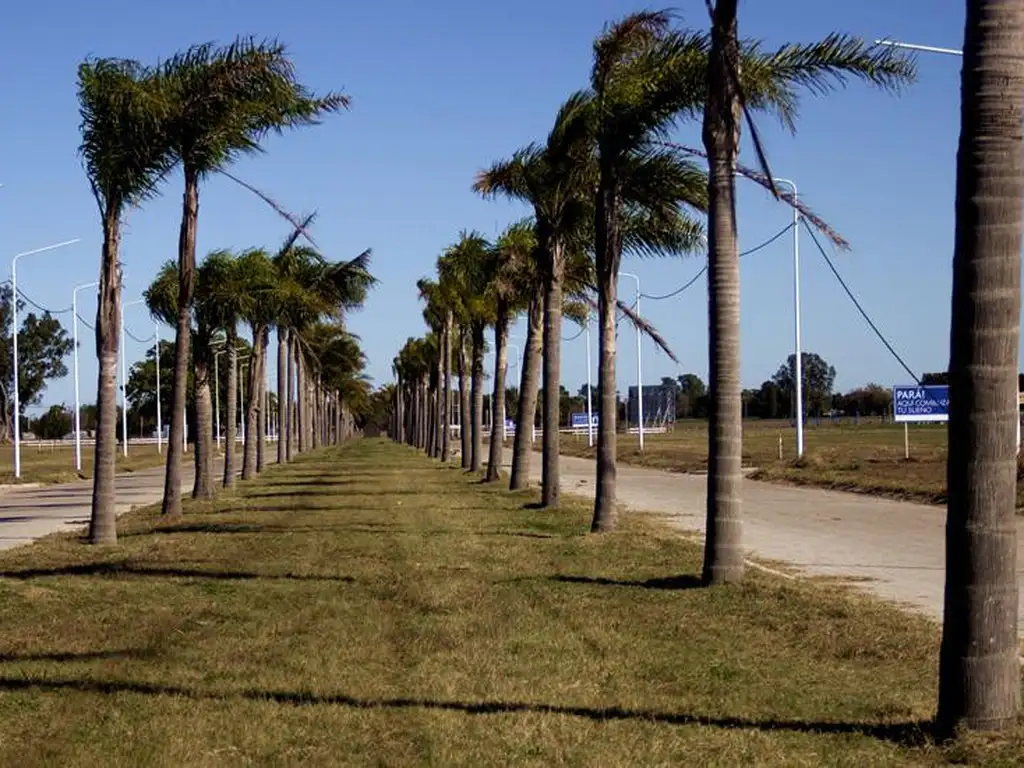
(683, 581)
(906, 734)
(116, 568)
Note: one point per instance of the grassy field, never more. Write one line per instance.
(868, 458)
(366, 606)
(56, 464)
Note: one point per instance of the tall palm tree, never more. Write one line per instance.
(126, 155)
(722, 66)
(979, 672)
(222, 101)
(640, 183)
(553, 179)
(469, 265)
(511, 288)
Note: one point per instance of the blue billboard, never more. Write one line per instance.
(920, 403)
(579, 420)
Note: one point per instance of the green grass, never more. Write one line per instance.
(50, 464)
(867, 458)
(366, 606)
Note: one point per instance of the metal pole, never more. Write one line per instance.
(241, 398)
(78, 403)
(504, 409)
(159, 425)
(590, 406)
(798, 351)
(124, 387)
(14, 336)
(639, 368)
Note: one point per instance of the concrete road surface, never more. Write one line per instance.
(28, 513)
(899, 546)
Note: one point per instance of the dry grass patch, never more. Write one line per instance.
(56, 464)
(365, 605)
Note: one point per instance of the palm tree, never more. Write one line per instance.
(979, 672)
(468, 264)
(639, 190)
(511, 288)
(126, 156)
(221, 102)
(553, 179)
(719, 68)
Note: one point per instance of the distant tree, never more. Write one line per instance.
(690, 396)
(869, 400)
(818, 380)
(54, 424)
(141, 389)
(42, 346)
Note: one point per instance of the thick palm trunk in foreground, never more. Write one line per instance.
(550, 480)
(529, 383)
(103, 521)
(723, 548)
(979, 672)
(609, 250)
(496, 447)
(182, 338)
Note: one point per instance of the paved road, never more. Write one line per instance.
(898, 545)
(29, 513)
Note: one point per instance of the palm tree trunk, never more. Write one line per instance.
(254, 399)
(432, 428)
(290, 397)
(203, 486)
(439, 409)
(300, 399)
(231, 410)
(608, 247)
(317, 420)
(550, 488)
(264, 413)
(723, 548)
(399, 411)
(477, 406)
(526, 415)
(465, 430)
(186, 276)
(979, 672)
(282, 395)
(497, 445)
(446, 387)
(103, 520)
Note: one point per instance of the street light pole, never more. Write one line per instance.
(915, 47)
(14, 337)
(78, 404)
(639, 368)
(798, 351)
(216, 394)
(156, 350)
(504, 409)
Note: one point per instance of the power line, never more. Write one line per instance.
(704, 269)
(857, 304)
(41, 308)
(136, 338)
(578, 334)
(83, 322)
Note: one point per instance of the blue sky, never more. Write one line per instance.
(442, 89)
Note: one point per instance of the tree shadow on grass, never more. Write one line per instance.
(906, 734)
(683, 581)
(194, 528)
(129, 569)
(68, 656)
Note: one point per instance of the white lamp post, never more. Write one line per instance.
(216, 395)
(504, 410)
(156, 349)
(78, 404)
(14, 337)
(639, 368)
(915, 47)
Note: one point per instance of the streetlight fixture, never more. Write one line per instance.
(124, 378)
(639, 368)
(78, 404)
(14, 336)
(590, 386)
(916, 47)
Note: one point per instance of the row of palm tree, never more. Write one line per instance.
(646, 78)
(197, 111)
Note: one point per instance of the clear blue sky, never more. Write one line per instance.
(442, 89)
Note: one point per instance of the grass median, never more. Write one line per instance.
(365, 605)
(49, 463)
